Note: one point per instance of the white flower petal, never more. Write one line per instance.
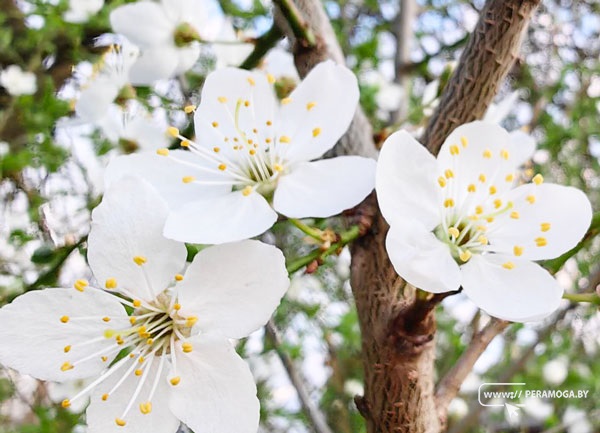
(524, 146)
(95, 99)
(34, 337)
(229, 91)
(154, 64)
(421, 259)
(234, 288)
(166, 175)
(101, 414)
(325, 101)
(227, 218)
(324, 188)
(126, 229)
(524, 293)
(144, 23)
(497, 112)
(478, 161)
(557, 220)
(405, 188)
(186, 58)
(217, 392)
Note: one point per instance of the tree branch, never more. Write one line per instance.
(316, 417)
(262, 45)
(488, 57)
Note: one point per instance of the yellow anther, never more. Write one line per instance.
(465, 255)
(246, 103)
(508, 265)
(191, 321)
(514, 215)
(269, 123)
(106, 319)
(175, 380)
(139, 260)
(478, 210)
(111, 283)
(490, 219)
(222, 99)
(509, 177)
(172, 131)
(247, 191)
(285, 139)
(132, 320)
(66, 403)
(141, 359)
(251, 81)
(215, 124)
(187, 347)
(517, 250)
(184, 143)
(530, 199)
(497, 203)
(177, 307)
(487, 153)
(482, 240)
(310, 105)
(104, 397)
(482, 178)
(493, 190)
(163, 152)
(120, 422)
(481, 229)
(146, 408)
(541, 242)
(278, 167)
(286, 101)
(504, 154)
(66, 366)
(104, 358)
(442, 181)
(80, 285)
(178, 277)
(316, 132)
(472, 188)
(67, 349)
(150, 341)
(449, 174)
(545, 227)
(222, 167)
(538, 179)
(132, 355)
(188, 179)
(137, 303)
(141, 329)
(268, 140)
(64, 319)
(138, 372)
(454, 232)
(252, 152)
(464, 141)
(448, 202)
(189, 109)
(216, 149)
(454, 150)
(271, 78)
(473, 217)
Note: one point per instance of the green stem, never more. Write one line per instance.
(300, 28)
(262, 46)
(345, 238)
(310, 231)
(592, 298)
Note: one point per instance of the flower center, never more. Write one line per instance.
(185, 34)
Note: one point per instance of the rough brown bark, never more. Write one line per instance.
(488, 57)
(397, 327)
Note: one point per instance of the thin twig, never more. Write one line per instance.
(302, 31)
(262, 45)
(316, 417)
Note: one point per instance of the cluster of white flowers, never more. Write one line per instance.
(153, 338)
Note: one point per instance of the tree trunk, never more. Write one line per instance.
(397, 327)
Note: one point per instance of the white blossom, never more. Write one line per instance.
(555, 371)
(461, 221)
(82, 10)
(18, 82)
